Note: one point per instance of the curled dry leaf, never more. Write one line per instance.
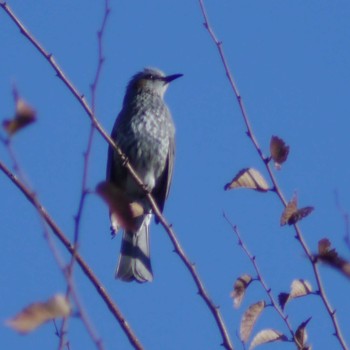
(24, 116)
(324, 246)
(248, 178)
(239, 288)
(298, 289)
(291, 214)
(249, 318)
(283, 299)
(267, 336)
(300, 214)
(301, 335)
(331, 257)
(279, 151)
(123, 212)
(36, 314)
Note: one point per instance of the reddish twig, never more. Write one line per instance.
(54, 250)
(260, 278)
(84, 189)
(81, 262)
(276, 187)
(81, 312)
(178, 249)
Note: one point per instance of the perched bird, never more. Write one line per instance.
(144, 131)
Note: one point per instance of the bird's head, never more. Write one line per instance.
(151, 80)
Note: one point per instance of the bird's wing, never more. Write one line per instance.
(161, 191)
(115, 172)
(109, 163)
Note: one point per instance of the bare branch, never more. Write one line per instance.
(178, 249)
(262, 280)
(84, 190)
(277, 189)
(81, 262)
(82, 314)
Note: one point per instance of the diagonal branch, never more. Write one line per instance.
(86, 155)
(84, 266)
(226, 341)
(262, 281)
(66, 272)
(84, 190)
(277, 189)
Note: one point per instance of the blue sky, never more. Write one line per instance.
(291, 61)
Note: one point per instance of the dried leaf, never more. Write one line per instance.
(239, 289)
(249, 318)
(289, 210)
(298, 288)
(279, 151)
(324, 246)
(267, 336)
(36, 314)
(248, 178)
(291, 214)
(24, 116)
(283, 299)
(300, 214)
(331, 257)
(301, 335)
(123, 212)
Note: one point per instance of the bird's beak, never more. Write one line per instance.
(170, 78)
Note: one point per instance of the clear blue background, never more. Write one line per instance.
(291, 61)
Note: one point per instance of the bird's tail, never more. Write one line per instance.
(134, 260)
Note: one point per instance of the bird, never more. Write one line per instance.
(144, 131)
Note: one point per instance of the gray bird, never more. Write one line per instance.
(144, 131)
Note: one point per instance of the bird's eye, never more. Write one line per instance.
(151, 77)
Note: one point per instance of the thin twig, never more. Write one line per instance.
(54, 250)
(84, 189)
(178, 249)
(262, 281)
(81, 262)
(68, 277)
(276, 187)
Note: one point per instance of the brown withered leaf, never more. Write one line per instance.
(267, 336)
(248, 178)
(291, 214)
(301, 334)
(36, 314)
(324, 246)
(239, 288)
(289, 210)
(283, 299)
(122, 210)
(279, 151)
(249, 318)
(24, 116)
(331, 257)
(300, 214)
(298, 289)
